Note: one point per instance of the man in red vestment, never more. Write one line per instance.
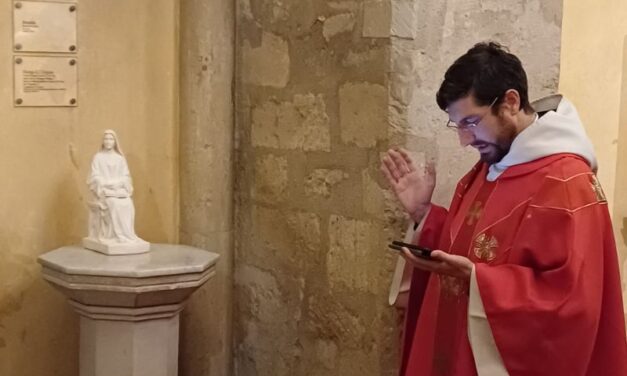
(524, 278)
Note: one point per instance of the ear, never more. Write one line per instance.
(511, 101)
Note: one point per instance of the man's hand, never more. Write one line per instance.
(413, 187)
(442, 263)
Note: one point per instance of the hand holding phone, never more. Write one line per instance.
(415, 250)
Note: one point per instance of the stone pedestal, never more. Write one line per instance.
(129, 305)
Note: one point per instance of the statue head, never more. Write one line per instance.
(110, 142)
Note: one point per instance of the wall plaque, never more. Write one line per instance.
(44, 26)
(45, 81)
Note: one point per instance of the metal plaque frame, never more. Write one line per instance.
(45, 81)
(43, 26)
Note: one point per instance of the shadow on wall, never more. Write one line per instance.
(149, 221)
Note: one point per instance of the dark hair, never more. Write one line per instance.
(486, 71)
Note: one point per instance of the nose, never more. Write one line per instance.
(466, 137)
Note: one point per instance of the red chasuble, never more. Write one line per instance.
(546, 268)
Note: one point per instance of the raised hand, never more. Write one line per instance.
(412, 186)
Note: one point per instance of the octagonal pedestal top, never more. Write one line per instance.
(166, 275)
(161, 260)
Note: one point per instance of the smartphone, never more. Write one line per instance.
(416, 250)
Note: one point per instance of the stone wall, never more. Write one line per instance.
(323, 88)
(206, 178)
(311, 267)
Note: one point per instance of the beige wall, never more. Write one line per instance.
(592, 76)
(592, 54)
(620, 198)
(127, 81)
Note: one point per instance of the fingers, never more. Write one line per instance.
(453, 260)
(388, 175)
(405, 154)
(458, 266)
(391, 167)
(439, 255)
(399, 160)
(441, 263)
(398, 163)
(404, 162)
(428, 265)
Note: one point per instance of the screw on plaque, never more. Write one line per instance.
(18, 101)
(18, 46)
(18, 60)
(72, 62)
(72, 48)
(72, 101)
(18, 5)
(72, 8)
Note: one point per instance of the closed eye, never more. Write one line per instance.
(469, 120)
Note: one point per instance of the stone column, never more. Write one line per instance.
(206, 183)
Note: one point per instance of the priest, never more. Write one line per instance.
(524, 276)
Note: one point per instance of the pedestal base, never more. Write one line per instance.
(129, 305)
(118, 248)
(128, 341)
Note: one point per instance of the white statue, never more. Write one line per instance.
(111, 212)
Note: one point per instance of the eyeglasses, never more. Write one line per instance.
(462, 127)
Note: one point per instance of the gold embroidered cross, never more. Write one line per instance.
(485, 247)
(474, 213)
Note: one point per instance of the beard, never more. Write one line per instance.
(493, 152)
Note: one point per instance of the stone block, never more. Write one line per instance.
(374, 57)
(329, 318)
(267, 64)
(270, 178)
(363, 113)
(377, 19)
(337, 24)
(351, 259)
(326, 352)
(320, 181)
(288, 238)
(265, 299)
(300, 124)
(269, 307)
(245, 9)
(362, 362)
(373, 194)
(404, 19)
(306, 229)
(343, 5)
